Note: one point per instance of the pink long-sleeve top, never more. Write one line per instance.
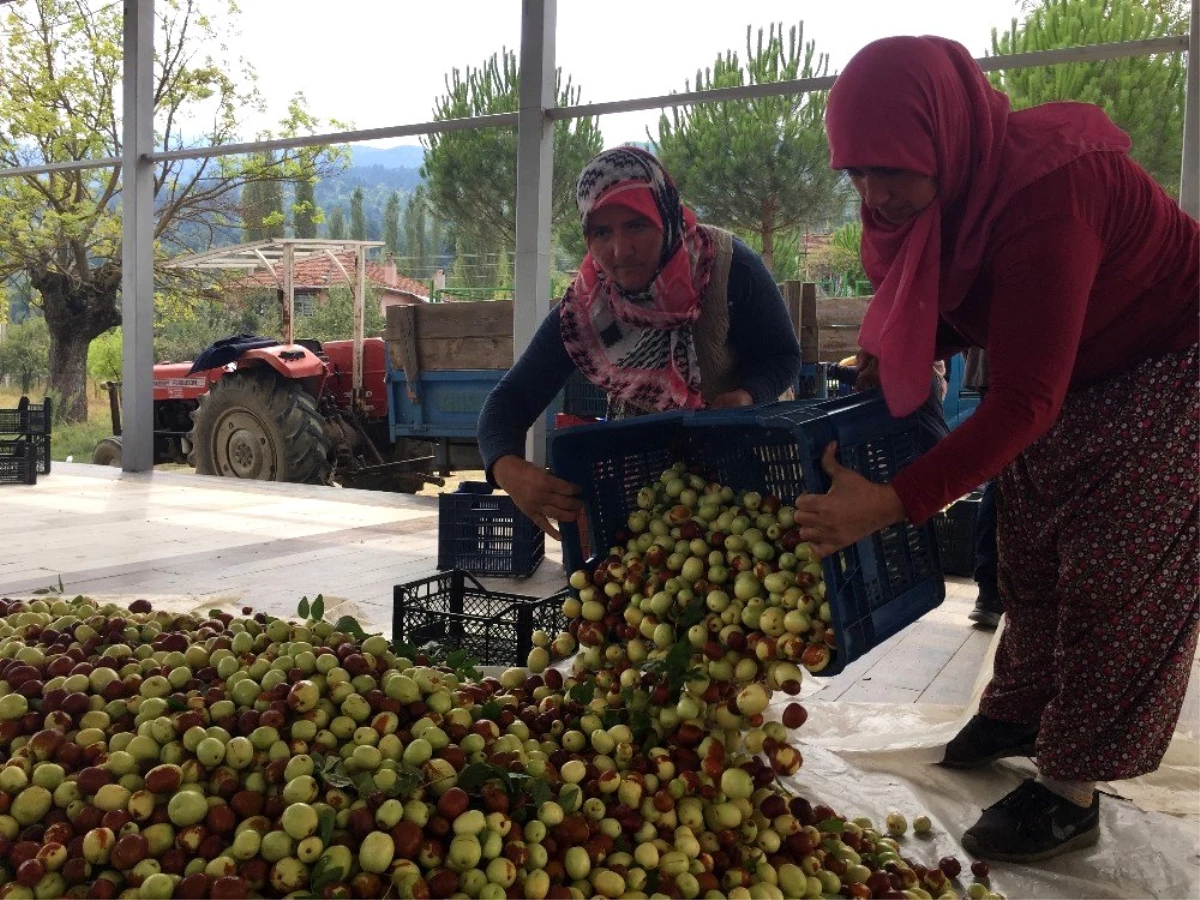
(1090, 271)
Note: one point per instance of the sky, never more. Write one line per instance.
(375, 63)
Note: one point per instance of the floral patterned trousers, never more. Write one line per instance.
(1097, 532)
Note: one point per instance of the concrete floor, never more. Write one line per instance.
(103, 532)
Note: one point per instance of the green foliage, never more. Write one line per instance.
(262, 203)
(471, 176)
(415, 236)
(306, 215)
(756, 166)
(25, 353)
(391, 226)
(358, 220)
(206, 321)
(1144, 95)
(61, 68)
(104, 357)
(334, 319)
(837, 267)
(337, 224)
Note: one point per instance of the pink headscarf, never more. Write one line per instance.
(924, 105)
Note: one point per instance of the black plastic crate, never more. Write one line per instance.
(955, 529)
(875, 587)
(486, 534)
(582, 398)
(33, 422)
(18, 462)
(453, 609)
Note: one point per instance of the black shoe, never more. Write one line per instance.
(987, 607)
(1033, 823)
(984, 740)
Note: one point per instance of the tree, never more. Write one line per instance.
(756, 166)
(472, 175)
(1144, 95)
(61, 69)
(415, 233)
(262, 204)
(358, 221)
(333, 320)
(25, 353)
(391, 225)
(337, 224)
(306, 215)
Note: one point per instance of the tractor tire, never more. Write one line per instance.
(257, 425)
(107, 452)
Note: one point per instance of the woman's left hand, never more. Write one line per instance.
(852, 508)
(729, 399)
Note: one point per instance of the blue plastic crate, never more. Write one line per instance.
(453, 609)
(813, 382)
(875, 587)
(485, 534)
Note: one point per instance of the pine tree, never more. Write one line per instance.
(305, 212)
(1144, 95)
(358, 219)
(760, 166)
(391, 226)
(337, 224)
(415, 234)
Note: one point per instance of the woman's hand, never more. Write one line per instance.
(537, 493)
(868, 371)
(852, 508)
(729, 399)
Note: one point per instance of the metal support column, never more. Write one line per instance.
(289, 292)
(1189, 180)
(137, 238)
(535, 165)
(360, 305)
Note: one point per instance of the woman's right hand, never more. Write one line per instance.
(868, 371)
(537, 493)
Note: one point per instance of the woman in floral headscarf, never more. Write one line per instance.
(1033, 235)
(664, 314)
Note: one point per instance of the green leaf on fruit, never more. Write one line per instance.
(692, 615)
(583, 692)
(491, 710)
(315, 873)
(318, 608)
(409, 780)
(476, 775)
(348, 625)
(326, 819)
(333, 773)
(540, 792)
(462, 663)
(364, 784)
(610, 718)
(833, 826)
(302, 608)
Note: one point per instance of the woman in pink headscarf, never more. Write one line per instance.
(1033, 235)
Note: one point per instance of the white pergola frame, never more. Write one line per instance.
(534, 122)
(279, 257)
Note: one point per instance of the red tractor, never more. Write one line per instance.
(280, 412)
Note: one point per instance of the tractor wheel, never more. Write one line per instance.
(257, 425)
(107, 452)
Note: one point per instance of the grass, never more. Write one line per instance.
(76, 440)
